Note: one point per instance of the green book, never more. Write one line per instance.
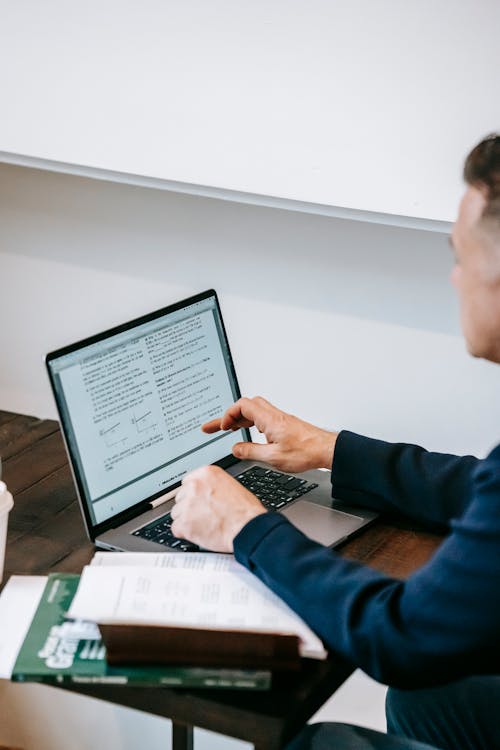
(60, 651)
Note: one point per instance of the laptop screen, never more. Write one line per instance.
(131, 402)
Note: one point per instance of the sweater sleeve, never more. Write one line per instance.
(439, 625)
(428, 487)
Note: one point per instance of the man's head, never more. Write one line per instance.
(476, 243)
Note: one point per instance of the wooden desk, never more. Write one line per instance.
(46, 534)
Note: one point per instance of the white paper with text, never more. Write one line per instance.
(209, 592)
(207, 561)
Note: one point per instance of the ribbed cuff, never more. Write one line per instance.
(253, 533)
(350, 451)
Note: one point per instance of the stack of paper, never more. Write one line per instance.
(196, 590)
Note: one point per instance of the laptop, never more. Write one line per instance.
(131, 401)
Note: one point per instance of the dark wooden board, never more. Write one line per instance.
(45, 526)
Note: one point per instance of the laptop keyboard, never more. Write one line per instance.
(160, 532)
(274, 489)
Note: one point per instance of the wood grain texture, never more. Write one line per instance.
(394, 550)
(46, 533)
(45, 525)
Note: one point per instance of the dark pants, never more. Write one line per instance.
(464, 715)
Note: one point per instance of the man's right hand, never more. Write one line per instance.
(292, 445)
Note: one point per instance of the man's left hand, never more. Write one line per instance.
(211, 508)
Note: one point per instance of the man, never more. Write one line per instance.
(434, 638)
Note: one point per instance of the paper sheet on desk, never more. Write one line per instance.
(207, 561)
(18, 603)
(193, 590)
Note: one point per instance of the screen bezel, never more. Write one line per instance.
(136, 509)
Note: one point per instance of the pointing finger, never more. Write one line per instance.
(212, 426)
(245, 413)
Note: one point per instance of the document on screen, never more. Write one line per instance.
(138, 403)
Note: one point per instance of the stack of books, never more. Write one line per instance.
(146, 619)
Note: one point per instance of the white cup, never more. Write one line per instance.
(6, 503)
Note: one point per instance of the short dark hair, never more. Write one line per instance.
(482, 169)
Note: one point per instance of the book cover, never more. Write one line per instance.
(58, 651)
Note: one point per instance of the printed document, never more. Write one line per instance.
(198, 590)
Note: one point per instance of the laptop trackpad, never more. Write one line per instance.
(324, 525)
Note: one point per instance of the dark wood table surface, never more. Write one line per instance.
(46, 534)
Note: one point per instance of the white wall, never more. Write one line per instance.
(347, 324)
(38, 717)
(365, 105)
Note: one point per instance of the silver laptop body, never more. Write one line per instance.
(131, 401)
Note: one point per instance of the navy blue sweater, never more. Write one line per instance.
(443, 622)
